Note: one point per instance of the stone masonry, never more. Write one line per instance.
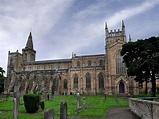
(88, 74)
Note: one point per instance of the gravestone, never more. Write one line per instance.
(78, 102)
(63, 110)
(50, 95)
(49, 114)
(84, 102)
(16, 103)
(105, 96)
(116, 98)
(46, 96)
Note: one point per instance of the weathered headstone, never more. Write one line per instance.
(39, 109)
(46, 96)
(50, 95)
(16, 106)
(116, 98)
(16, 103)
(78, 103)
(63, 110)
(84, 102)
(105, 96)
(49, 114)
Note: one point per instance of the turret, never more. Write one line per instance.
(123, 28)
(129, 38)
(28, 52)
(106, 30)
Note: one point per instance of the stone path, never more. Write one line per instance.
(116, 113)
(121, 113)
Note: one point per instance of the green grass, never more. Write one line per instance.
(96, 106)
(143, 95)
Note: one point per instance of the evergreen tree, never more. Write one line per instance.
(142, 55)
(1, 79)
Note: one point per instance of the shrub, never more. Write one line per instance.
(31, 102)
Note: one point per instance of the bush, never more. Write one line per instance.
(31, 102)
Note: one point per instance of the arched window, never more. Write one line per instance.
(101, 80)
(78, 63)
(76, 81)
(120, 66)
(89, 63)
(65, 84)
(32, 56)
(88, 80)
(100, 62)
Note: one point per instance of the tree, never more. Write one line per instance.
(142, 55)
(1, 79)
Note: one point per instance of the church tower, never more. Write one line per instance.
(28, 52)
(113, 62)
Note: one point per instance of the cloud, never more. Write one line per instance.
(18, 17)
(92, 10)
(63, 26)
(129, 12)
(84, 34)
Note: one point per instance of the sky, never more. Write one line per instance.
(62, 27)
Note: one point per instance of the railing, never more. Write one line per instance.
(146, 108)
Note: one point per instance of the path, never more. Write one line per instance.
(116, 113)
(120, 113)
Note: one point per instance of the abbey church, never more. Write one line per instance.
(87, 74)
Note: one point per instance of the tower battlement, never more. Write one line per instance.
(114, 33)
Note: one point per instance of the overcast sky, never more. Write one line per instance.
(60, 27)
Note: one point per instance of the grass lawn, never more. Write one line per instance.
(143, 95)
(96, 106)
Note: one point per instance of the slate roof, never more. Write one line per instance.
(89, 55)
(48, 61)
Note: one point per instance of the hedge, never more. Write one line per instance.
(31, 102)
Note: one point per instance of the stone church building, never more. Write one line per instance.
(87, 74)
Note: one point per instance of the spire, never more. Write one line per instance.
(123, 26)
(29, 44)
(106, 30)
(106, 27)
(129, 38)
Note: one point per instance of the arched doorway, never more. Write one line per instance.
(121, 87)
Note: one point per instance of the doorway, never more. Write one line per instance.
(121, 87)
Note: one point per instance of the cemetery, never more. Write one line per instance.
(62, 107)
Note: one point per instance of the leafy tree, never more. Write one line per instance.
(1, 79)
(142, 55)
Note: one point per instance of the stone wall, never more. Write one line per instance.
(146, 108)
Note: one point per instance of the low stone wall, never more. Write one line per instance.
(146, 108)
